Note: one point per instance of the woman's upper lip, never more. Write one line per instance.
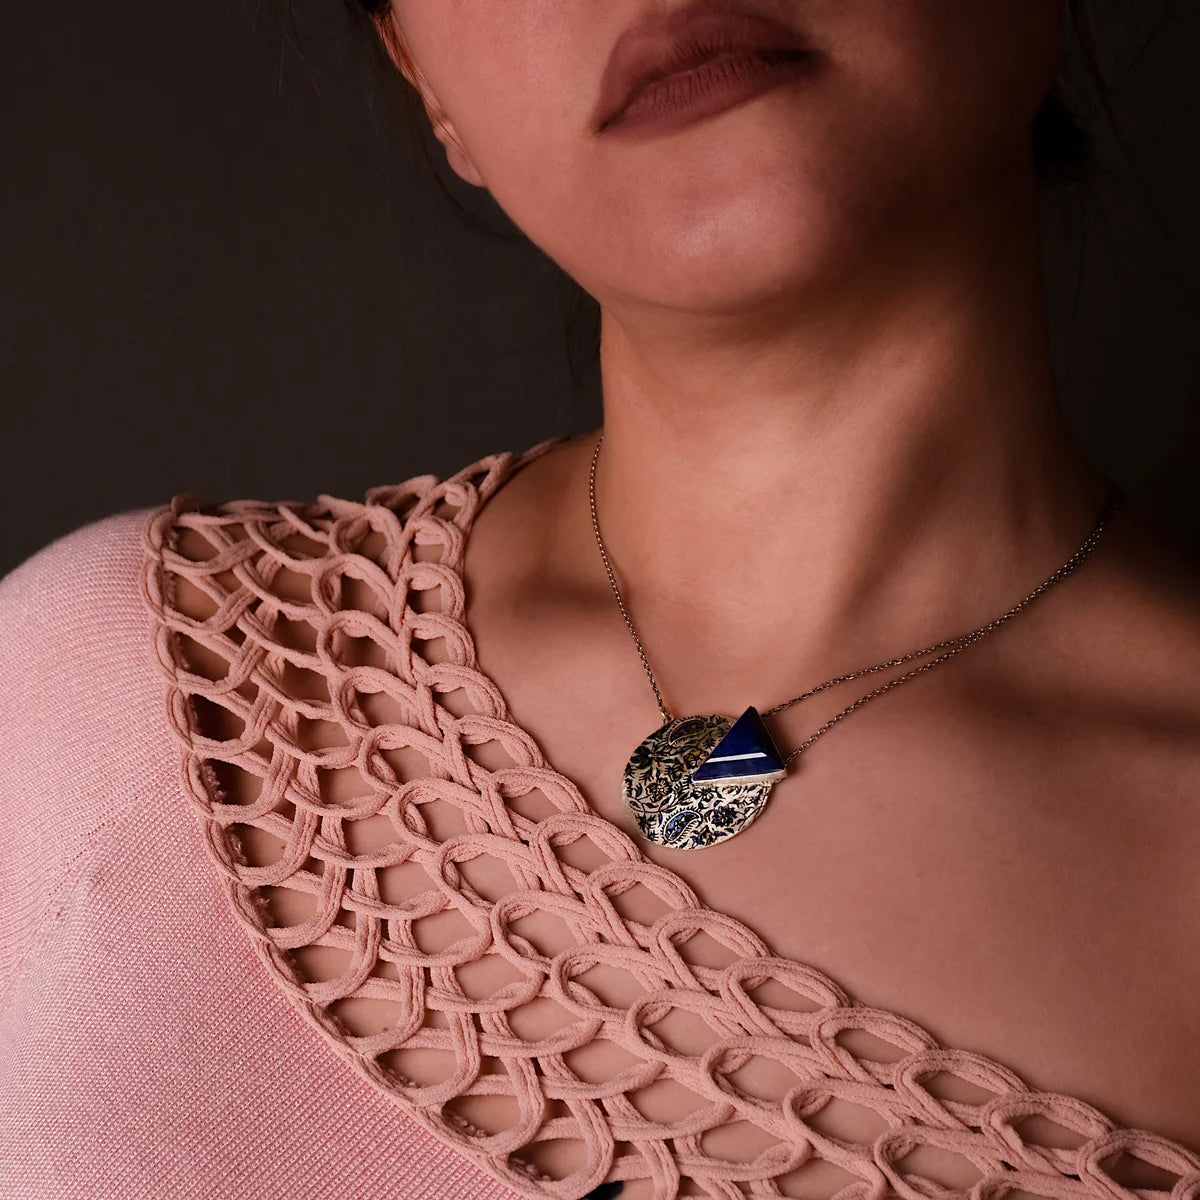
(662, 45)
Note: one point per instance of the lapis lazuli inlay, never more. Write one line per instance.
(745, 752)
(677, 824)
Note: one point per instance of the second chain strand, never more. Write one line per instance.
(958, 643)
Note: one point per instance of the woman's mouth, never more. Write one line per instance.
(671, 69)
(719, 83)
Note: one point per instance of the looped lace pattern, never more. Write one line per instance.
(327, 765)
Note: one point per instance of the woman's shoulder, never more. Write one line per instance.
(87, 629)
(117, 636)
(69, 611)
(79, 613)
(93, 677)
(82, 739)
(82, 597)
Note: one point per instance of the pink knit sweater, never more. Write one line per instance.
(249, 949)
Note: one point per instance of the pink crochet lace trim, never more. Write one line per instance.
(297, 692)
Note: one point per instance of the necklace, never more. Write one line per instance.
(700, 779)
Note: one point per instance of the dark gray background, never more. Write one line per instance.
(228, 271)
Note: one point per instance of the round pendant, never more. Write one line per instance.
(673, 809)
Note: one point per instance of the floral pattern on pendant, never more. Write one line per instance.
(670, 808)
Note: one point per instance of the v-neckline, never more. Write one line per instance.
(992, 1068)
(805, 1039)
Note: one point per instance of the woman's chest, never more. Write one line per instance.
(1025, 896)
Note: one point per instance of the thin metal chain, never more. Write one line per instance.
(637, 641)
(956, 644)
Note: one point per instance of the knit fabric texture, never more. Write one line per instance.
(144, 1054)
(408, 887)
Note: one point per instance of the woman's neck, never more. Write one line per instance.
(870, 470)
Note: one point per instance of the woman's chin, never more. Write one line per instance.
(725, 284)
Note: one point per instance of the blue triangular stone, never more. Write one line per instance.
(745, 752)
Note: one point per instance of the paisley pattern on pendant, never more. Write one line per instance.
(670, 807)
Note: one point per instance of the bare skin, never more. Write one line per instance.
(1001, 849)
(832, 436)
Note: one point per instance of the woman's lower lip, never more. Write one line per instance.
(720, 83)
